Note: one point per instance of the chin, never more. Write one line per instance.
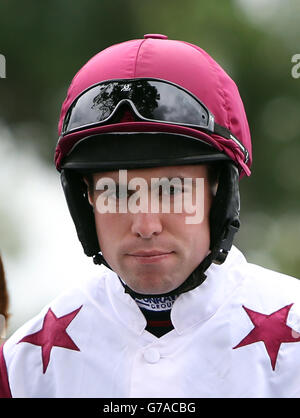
(152, 288)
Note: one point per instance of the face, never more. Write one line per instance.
(154, 251)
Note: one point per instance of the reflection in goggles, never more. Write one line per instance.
(151, 100)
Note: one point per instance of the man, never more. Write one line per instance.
(153, 141)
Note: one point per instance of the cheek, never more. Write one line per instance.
(111, 230)
(199, 243)
(106, 230)
(196, 237)
(199, 235)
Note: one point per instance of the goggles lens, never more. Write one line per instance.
(152, 100)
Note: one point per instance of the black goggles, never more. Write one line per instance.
(152, 100)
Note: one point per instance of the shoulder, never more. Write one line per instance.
(86, 295)
(275, 282)
(267, 290)
(260, 277)
(63, 323)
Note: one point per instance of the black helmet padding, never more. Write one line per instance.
(81, 211)
(225, 212)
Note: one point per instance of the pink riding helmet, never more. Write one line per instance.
(174, 61)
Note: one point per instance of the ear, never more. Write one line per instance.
(90, 193)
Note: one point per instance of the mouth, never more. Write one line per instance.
(150, 256)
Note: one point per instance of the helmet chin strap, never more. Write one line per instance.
(196, 278)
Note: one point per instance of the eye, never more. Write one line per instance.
(170, 189)
(120, 193)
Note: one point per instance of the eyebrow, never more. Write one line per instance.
(115, 178)
(159, 179)
(169, 178)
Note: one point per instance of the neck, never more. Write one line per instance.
(156, 303)
(195, 279)
(157, 311)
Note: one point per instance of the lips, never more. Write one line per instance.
(150, 256)
(150, 253)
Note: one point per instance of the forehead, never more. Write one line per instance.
(182, 171)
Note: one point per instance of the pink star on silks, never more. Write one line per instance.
(272, 330)
(52, 334)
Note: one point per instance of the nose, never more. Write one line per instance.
(146, 225)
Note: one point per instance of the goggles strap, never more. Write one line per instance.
(225, 133)
(222, 131)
